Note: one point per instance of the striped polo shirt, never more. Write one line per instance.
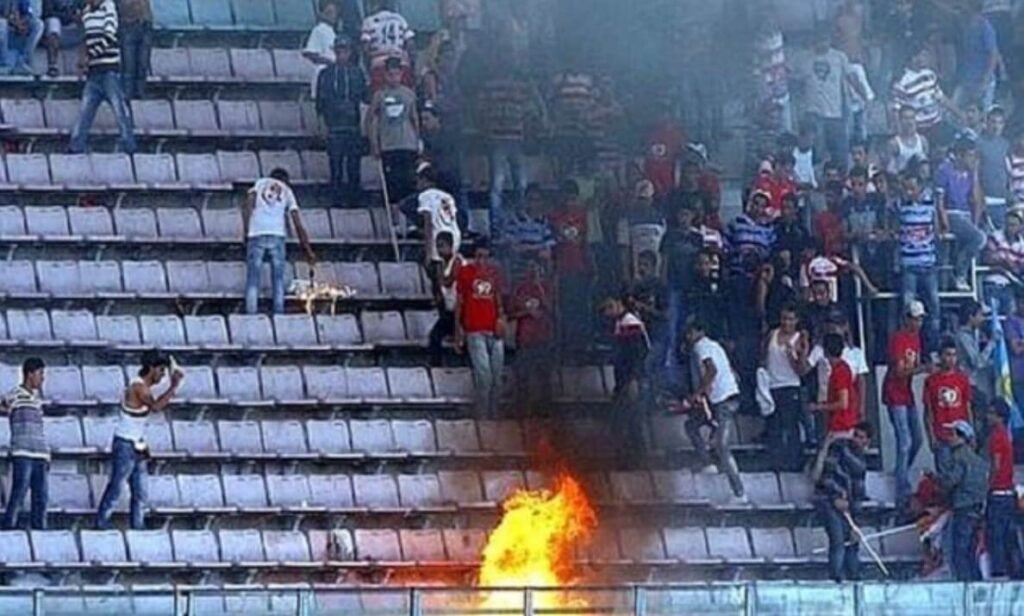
(920, 91)
(28, 434)
(1015, 169)
(102, 49)
(750, 241)
(917, 233)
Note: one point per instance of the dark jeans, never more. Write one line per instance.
(833, 137)
(574, 310)
(724, 413)
(103, 86)
(1003, 549)
(788, 446)
(27, 473)
(843, 560)
(345, 150)
(444, 327)
(400, 172)
(965, 528)
(126, 464)
(533, 376)
(136, 40)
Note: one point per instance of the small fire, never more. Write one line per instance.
(534, 544)
(310, 291)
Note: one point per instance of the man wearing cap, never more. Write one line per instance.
(393, 127)
(1001, 506)
(898, 395)
(965, 480)
(947, 398)
(341, 89)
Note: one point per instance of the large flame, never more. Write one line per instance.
(534, 544)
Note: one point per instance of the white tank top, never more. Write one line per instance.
(131, 425)
(803, 167)
(905, 152)
(780, 370)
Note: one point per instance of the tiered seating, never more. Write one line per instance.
(247, 15)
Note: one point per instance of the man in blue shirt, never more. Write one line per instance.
(979, 59)
(958, 191)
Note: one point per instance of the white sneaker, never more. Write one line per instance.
(710, 469)
(961, 284)
(738, 500)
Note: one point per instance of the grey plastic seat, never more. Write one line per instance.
(206, 331)
(63, 384)
(171, 15)
(162, 492)
(156, 171)
(457, 435)
(377, 545)
(807, 540)
(251, 330)
(199, 387)
(114, 171)
(241, 546)
(200, 171)
(325, 383)
(23, 113)
(360, 276)
(419, 490)
(316, 166)
(422, 545)
(144, 277)
(195, 546)
(59, 278)
(229, 277)
(62, 114)
(14, 548)
(200, 491)
(295, 330)
(196, 117)
(179, 223)
(285, 546)
(283, 159)
(29, 171)
(238, 384)
(100, 278)
(453, 383)
(409, 384)
(210, 62)
(401, 279)
(332, 491)
(284, 437)
(149, 546)
(317, 222)
(135, 222)
(281, 117)
(63, 432)
(674, 486)
(631, 486)
(195, 437)
(288, 490)
(12, 221)
(730, 544)
(103, 383)
(796, 489)
(582, 383)
(244, 491)
(881, 488)
(103, 547)
(340, 330)
(17, 277)
(290, 65)
(686, 544)
(352, 225)
(371, 435)
(239, 118)
(187, 277)
(69, 491)
(460, 487)
(29, 326)
(328, 436)
(90, 221)
(222, 224)
(641, 544)
(153, 116)
(499, 485)
(383, 327)
(170, 63)
(72, 171)
(772, 544)
(47, 221)
(162, 331)
(252, 64)
(158, 435)
(99, 431)
(55, 547)
(283, 384)
(240, 437)
(375, 491)
(418, 324)
(464, 546)
(414, 435)
(366, 383)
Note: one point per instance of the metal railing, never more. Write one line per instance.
(715, 599)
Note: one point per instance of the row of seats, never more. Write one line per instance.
(198, 279)
(157, 172)
(278, 385)
(175, 225)
(282, 549)
(245, 15)
(165, 118)
(445, 491)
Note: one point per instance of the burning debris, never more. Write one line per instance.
(310, 291)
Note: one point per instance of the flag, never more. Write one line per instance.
(1004, 385)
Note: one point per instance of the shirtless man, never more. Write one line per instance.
(129, 452)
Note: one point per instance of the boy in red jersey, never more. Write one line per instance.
(898, 397)
(480, 326)
(947, 398)
(843, 402)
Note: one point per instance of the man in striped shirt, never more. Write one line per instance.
(30, 453)
(102, 61)
(918, 88)
(1015, 171)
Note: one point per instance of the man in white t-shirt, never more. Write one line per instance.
(265, 214)
(437, 210)
(385, 35)
(714, 404)
(319, 47)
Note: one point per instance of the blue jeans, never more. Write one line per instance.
(487, 356)
(103, 86)
(16, 49)
(500, 152)
(126, 464)
(965, 525)
(843, 560)
(724, 413)
(27, 473)
(923, 283)
(906, 427)
(676, 322)
(1003, 549)
(970, 241)
(257, 249)
(136, 40)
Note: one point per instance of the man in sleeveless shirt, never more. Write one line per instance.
(129, 451)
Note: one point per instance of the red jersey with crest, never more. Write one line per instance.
(478, 286)
(902, 345)
(948, 394)
(570, 225)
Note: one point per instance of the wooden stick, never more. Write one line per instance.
(867, 546)
(387, 209)
(878, 535)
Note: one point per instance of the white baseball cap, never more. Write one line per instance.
(915, 309)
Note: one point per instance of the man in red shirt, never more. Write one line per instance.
(480, 326)
(778, 183)
(1001, 506)
(897, 395)
(830, 223)
(572, 267)
(532, 309)
(843, 402)
(947, 398)
(664, 147)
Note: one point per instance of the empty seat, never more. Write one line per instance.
(156, 171)
(55, 547)
(113, 170)
(206, 331)
(285, 546)
(103, 546)
(330, 491)
(296, 330)
(464, 545)
(17, 277)
(195, 546)
(409, 383)
(401, 279)
(383, 327)
(153, 115)
(414, 435)
(149, 546)
(100, 277)
(281, 117)
(289, 64)
(241, 546)
(366, 383)
(199, 385)
(23, 113)
(63, 384)
(796, 489)
(238, 384)
(422, 545)
(328, 436)
(452, 383)
(283, 437)
(730, 544)
(136, 222)
(29, 326)
(30, 171)
(179, 223)
(325, 383)
(60, 278)
(14, 547)
(90, 221)
(338, 330)
(245, 491)
(251, 330)
(171, 15)
(99, 431)
(12, 221)
(240, 437)
(104, 383)
(293, 15)
(641, 544)
(46, 221)
(196, 117)
(316, 166)
(352, 225)
(375, 491)
(62, 114)
(419, 490)
(239, 117)
(195, 437)
(360, 276)
(229, 277)
(772, 543)
(169, 63)
(281, 159)
(499, 485)
(238, 167)
(252, 64)
(419, 323)
(223, 224)
(288, 490)
(187, 277)
(69, 491)
(144, 277)
(582, 383)
(458, 435)
(199, 170)
(162, 331)
(686, 544)
(500, 436)
(162, 491)
(283, 384)
(158, 435)
(72, 171)
(211, 63)
(377, 545)
(371, 435)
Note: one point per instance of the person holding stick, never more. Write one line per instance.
(839, 484)
(965, 479)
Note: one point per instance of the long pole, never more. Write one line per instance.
(867, 545)
(387, 209)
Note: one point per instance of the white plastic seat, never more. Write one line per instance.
(144, 277)
(162, 331)
(366, 383)
(118, 329)
(136, 223)
(240, 437)
(90, 221)
(251, 330)
(375, 491)
(282, 384)
(328, 436)
(149, 546)
(187, 277)
(371, 435)
(244, 491)
(326, 383)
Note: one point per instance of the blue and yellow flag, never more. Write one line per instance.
(1004, 384)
